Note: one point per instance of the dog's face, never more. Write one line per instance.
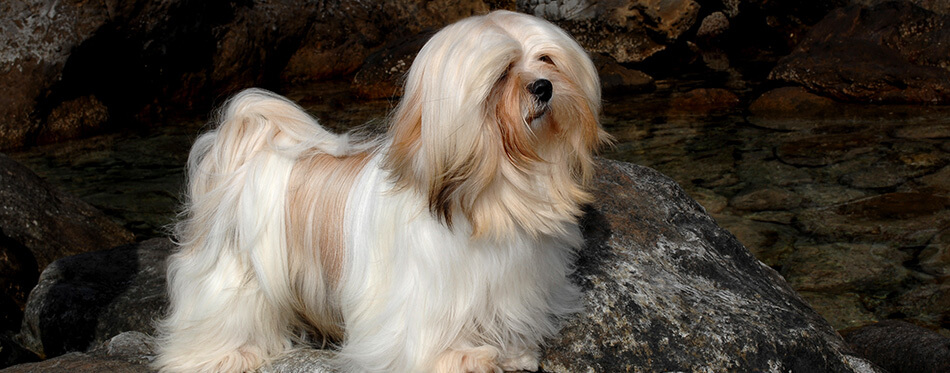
(498, 123)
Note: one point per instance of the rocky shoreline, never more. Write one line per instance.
(817, 134)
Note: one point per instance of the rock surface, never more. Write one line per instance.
(901, 347)
(666, 289)
(84, 300)
(890, 52)
(72, 68)
(39, 224)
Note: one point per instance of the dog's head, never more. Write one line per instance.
(498, 124)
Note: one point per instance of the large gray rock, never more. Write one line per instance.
(669, 290)
(84, 300)
(666, 289)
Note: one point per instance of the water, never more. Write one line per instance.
(850, 204)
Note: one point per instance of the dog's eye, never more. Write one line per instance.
(546, 59)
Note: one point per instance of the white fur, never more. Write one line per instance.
(458, 226)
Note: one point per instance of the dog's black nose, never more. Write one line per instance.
(542, 89)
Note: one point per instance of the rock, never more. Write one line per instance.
(617, 79)
(769, 242)
(38, 37)
(50, 223)
(825, 150)
(767, 199)
(924, 131)
(668, 290)
(83, 300)
(713, 25)
(840, 267)
(132, 352)
(74, 118)
(927, 303)
(906, 219)
(343, 34)
(18, 275)
(890, 52)
(899, 346)
(128, 352)
(703, 101)
(627, 31)
(935, 258)
(12, 353)
(842, 310)
(39, 224)
(382, 74)
(790, 108)
(665, 289)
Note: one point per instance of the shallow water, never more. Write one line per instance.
(851, 207)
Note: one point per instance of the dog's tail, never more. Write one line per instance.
(229, 278)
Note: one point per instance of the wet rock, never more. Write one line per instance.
(899, 346)
(628, 32)
(876, 177)
(83, 300)
(842, 310)
(767, 199)
(924, 131)
(935, 258)
(890, 52)
(769, 242)
(617, 79)
(711, 201)
(791, 108)
(842, 267)
(927, 303)
(824, 150)
(906, 219)
(772, 172)
(937, 182)
(704, 101)
(823, 195)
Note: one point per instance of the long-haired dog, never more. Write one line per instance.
(444, 245)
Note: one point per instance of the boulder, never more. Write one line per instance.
(343, 34)
(666, 289)
(84, 300)
(893, 52)
(669, 290)
(39, 224)
(902, 347)
(128, 352)
(618, 79)
(627, 31)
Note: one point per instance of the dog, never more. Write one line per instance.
(442, 245)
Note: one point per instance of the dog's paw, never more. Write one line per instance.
(527, 360)
(482, 359)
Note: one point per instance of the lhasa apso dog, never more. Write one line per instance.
(443, 246)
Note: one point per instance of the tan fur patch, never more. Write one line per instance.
(319, 187)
